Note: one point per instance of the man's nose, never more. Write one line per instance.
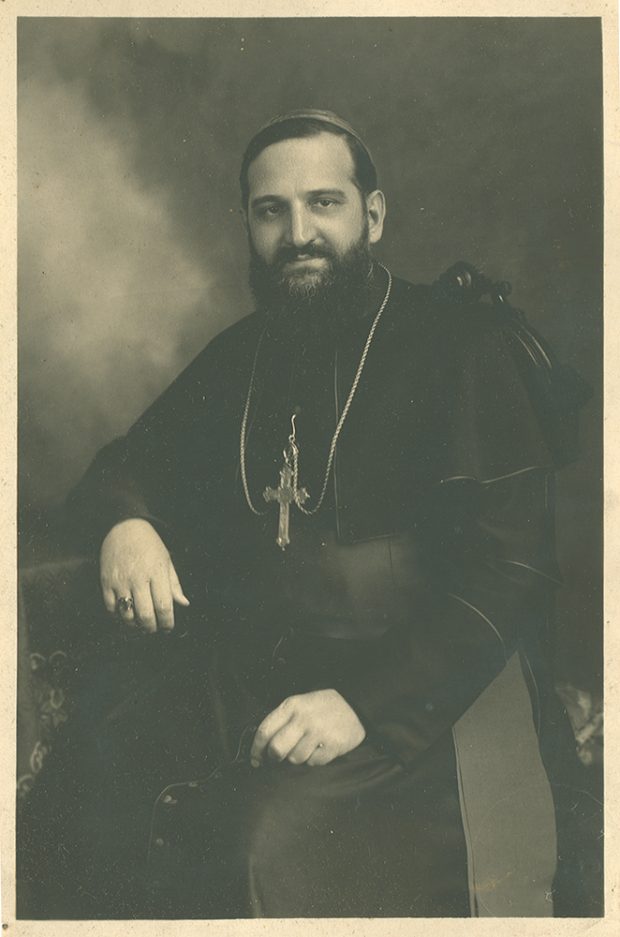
(301, 230)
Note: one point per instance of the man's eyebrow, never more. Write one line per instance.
(337, 193)
(313, 193)
(263, 199)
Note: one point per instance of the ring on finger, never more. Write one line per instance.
(124, 604)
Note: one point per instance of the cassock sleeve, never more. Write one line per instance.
(111, 491)
(137, 475)
(486, 542)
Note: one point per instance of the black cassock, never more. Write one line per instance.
(422, 591)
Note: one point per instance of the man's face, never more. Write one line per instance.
(306, 218)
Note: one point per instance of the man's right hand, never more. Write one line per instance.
(134, 563)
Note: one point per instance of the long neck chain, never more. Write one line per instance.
(291, 455)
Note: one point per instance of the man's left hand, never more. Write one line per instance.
(311, 728)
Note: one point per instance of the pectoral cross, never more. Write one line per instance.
(285, 494)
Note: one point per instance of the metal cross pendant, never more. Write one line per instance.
(285, 494)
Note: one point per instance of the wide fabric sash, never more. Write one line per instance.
(506, 802)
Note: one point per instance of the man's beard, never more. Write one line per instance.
(311, 307)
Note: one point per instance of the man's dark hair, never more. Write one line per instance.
(365, 174)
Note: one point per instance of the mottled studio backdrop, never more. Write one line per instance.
(488, 138)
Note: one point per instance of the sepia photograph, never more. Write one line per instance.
(310, 468)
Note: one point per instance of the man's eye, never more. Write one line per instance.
(325, 202)
(269, 211)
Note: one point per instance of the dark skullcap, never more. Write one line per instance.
(324, 117)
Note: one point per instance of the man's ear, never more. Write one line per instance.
(375, 212)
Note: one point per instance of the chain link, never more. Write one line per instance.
(244, 425)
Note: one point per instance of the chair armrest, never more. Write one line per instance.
(60, 618)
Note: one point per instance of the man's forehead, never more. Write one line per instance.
(320, 160)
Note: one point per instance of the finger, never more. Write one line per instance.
(109, 599)
(303, 750)
(284, 741)
(175, 586)
(144, 611)
(162, 603)
(320, 756)
(267, 729)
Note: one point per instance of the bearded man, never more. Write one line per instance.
(344, 502)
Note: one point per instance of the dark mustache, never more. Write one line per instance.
(287, 254)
